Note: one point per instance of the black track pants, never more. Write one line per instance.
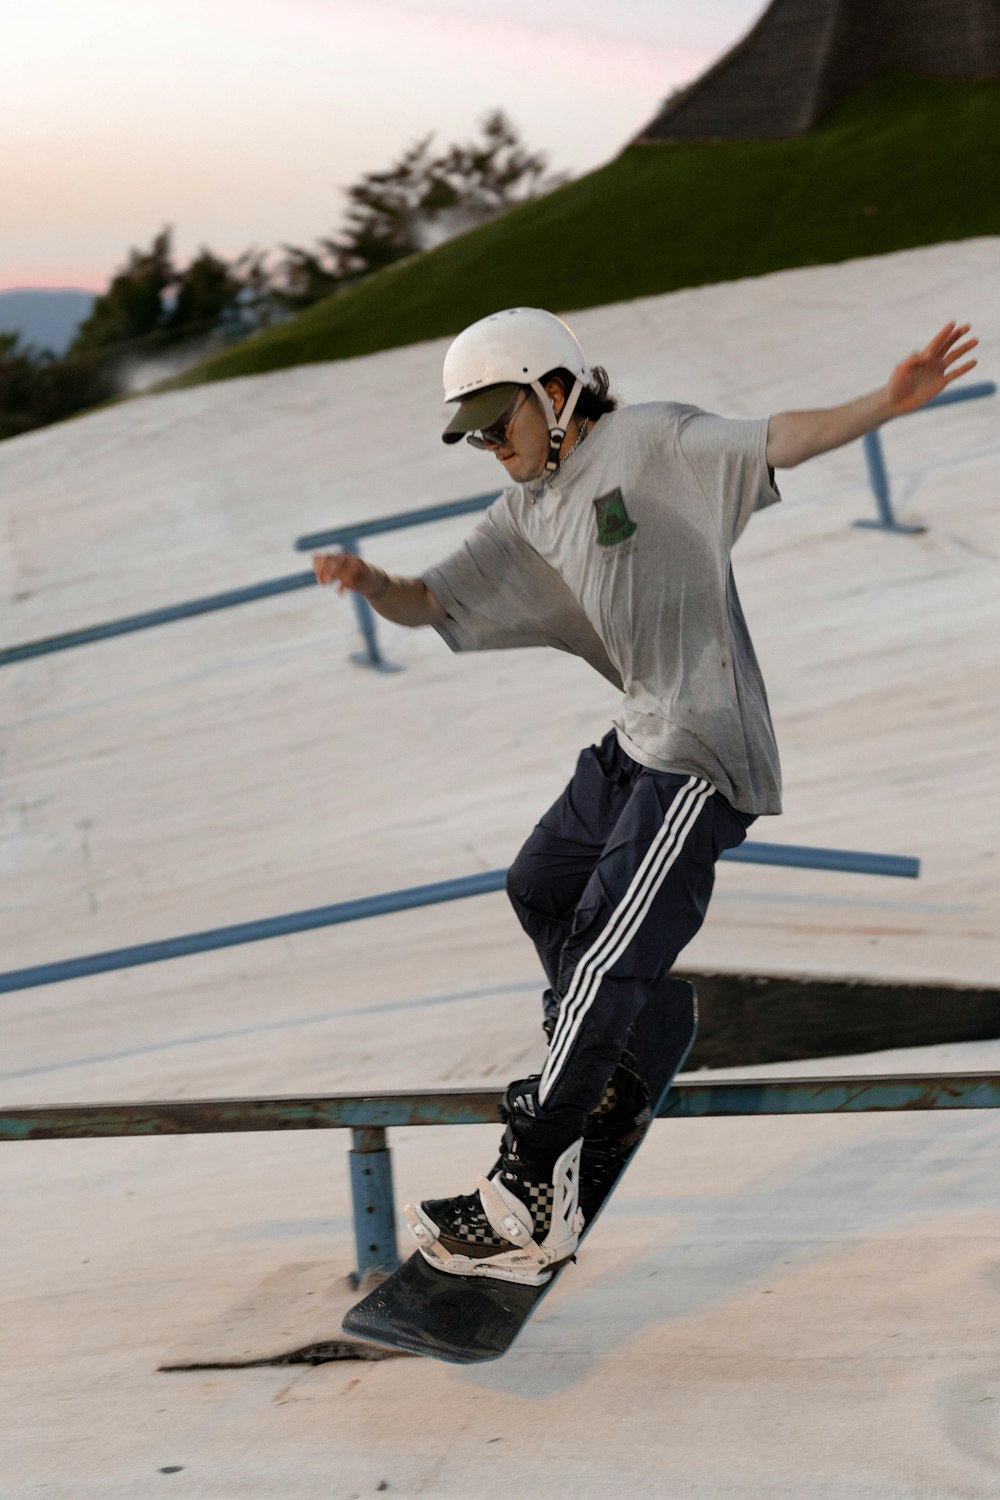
(612, 884)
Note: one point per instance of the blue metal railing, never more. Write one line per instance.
(342, 534)
(345, 536)
(145, 621)
(350, 537)
(878, 476)
(370, 1116)
(799, 856)
(695, 1097)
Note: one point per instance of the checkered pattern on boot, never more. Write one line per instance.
(623, 1113)
(611, 1131)
(524, 1170)
(612, 1128)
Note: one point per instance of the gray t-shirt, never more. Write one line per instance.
(625, 561)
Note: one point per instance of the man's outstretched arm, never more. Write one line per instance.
(404, 601)
(794, 436)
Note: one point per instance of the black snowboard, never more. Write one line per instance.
(426, 1311)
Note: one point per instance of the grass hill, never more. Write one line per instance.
(907, 162)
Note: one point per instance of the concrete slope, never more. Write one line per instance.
(238, 765)
(773, 1309)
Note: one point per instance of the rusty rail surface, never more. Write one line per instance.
(687, 1100)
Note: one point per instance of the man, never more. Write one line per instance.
(612, 541)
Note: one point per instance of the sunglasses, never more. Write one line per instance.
(494, 436)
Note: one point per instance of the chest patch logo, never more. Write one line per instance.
(614, 524)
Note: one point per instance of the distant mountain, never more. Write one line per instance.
(45, 319)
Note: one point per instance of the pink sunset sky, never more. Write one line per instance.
(238, 124)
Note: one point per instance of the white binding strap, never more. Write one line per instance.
(526, 1261)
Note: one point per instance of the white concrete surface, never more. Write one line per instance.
(773, 1308)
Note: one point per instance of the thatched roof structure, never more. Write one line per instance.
(803, 57)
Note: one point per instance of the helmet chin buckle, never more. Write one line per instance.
(557, 436)
(557, 425)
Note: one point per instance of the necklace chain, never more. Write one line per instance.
(547, 479)
(584, 429)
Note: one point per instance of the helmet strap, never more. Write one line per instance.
(557, 425)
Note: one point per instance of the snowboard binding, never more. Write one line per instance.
(522, 1222)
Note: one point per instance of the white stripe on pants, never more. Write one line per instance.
(623, 925)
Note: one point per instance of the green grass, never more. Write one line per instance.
(907, 162)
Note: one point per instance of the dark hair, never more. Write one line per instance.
(594, 399)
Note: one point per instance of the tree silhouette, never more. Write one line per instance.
(153, 306)
(419, 201)
(132, 306)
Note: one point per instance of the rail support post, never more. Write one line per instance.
(878, 478)
(373, 1203)
(372, 656)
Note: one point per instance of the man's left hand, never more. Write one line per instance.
(921, 377)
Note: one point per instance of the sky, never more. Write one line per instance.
(240, 124)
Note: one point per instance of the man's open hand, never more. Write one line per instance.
(914, 382)
(346, 571)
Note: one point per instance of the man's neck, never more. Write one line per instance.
(576, 432)
(572, 435)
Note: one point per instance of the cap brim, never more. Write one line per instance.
(478, 411)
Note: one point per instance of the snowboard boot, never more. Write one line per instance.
(524, 1218)
(623, 1113)
(613, 1127)
(612, 1132)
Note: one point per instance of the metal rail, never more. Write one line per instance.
(370, 1116)
(800, 856)
(687, 1100)
(878, 474)
(341, 535)
(346, 536)
(350, 537)
(130, 623)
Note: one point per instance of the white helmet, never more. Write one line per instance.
(509, 349)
